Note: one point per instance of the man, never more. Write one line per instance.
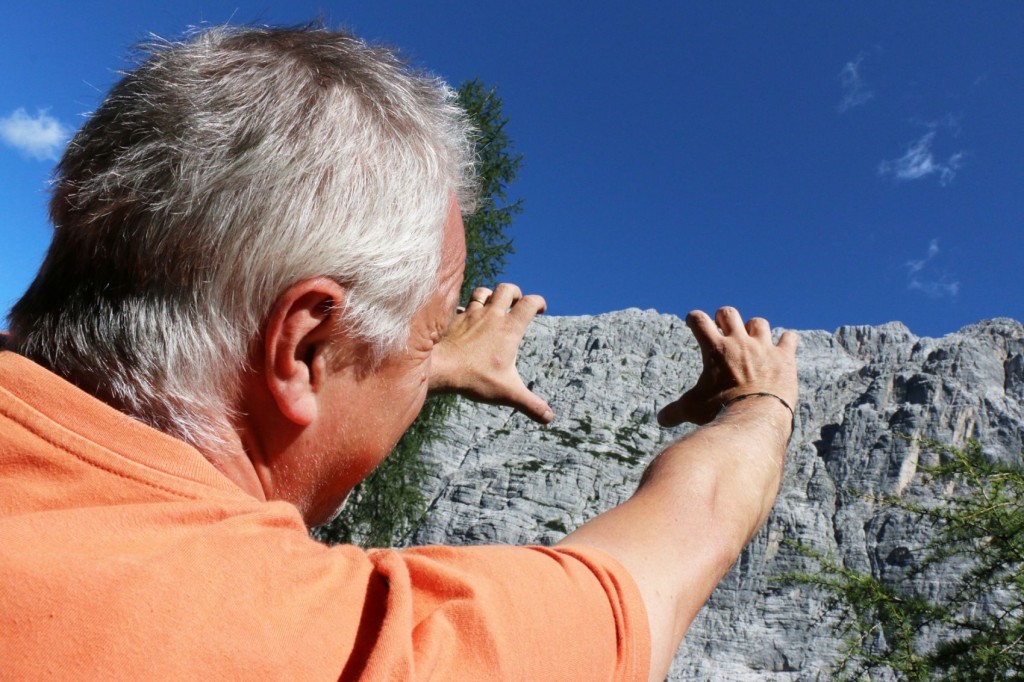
(251, 288)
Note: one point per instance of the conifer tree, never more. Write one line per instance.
(973, 630)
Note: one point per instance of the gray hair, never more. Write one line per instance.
(221, 171)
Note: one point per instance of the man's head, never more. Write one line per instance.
(221, 172)
(319, 416)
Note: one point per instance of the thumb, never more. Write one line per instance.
(672, 414)
(686, 409)
(531, 404)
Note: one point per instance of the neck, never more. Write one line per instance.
(234, 461)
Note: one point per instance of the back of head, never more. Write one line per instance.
(221, 171)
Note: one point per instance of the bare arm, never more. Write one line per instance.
(704, 497)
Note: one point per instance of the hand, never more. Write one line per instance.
(738, 359)
(477, 355)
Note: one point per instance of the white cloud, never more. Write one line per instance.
(855, 92)
(919, 162)
(42, 137)
(920, 277)
(916, 266)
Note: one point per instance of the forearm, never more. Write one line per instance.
(697, 506)
(735, 461)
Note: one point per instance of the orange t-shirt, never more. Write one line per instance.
(124, 554)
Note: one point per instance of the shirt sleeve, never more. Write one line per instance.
(500, 613)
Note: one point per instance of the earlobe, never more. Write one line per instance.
(296, 338)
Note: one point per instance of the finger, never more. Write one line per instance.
(789, 341)
(759, 328)
(533, 406)
(479, 297)
(729, 320)
(705, 331)
(527, 308)
(672, 414)
(684, 410)
(505, 295)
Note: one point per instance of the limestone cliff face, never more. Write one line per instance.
(504, 479)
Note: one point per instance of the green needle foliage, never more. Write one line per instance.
(487, 243)
(387, 507)
(981, 528)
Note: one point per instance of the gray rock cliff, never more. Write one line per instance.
(503, 479)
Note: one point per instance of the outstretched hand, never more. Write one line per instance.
(738, 359)
(477, 355)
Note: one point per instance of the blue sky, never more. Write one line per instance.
(817, 163)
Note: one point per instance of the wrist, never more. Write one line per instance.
(762, 400)
(441, 372)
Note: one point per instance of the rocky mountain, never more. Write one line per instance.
(866, 394)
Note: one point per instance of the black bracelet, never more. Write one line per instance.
(762, 394)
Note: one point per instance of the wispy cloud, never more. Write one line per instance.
(921, 276)
(855, 91)
(40, 137)
(920, 162)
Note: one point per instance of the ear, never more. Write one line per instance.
(301, 327)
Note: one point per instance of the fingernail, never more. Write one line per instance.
(548, 415)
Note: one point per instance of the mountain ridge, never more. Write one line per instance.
(869, 394)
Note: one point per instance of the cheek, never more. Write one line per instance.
(410, 394)
(397, 413)
(418, 396)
